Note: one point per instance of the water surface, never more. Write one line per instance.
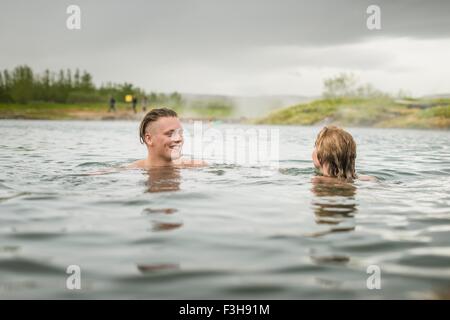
(224, 231)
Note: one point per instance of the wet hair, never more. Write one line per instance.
(337, 149)
(152, 116)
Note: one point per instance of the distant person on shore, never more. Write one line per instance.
(134, 104)
(334, 155)
(144, 103)
(112, 105)
(162, 133)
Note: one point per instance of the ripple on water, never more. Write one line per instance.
(49, 196)
(28, 266)
(425, 260)
(12, 195)
(296, 171)
(36, 235)
(163, 219)
(168, 275)
(94, 164)
(225, 230)
(160, 210)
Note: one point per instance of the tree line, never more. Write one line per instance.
(23, 85)
(347, 85)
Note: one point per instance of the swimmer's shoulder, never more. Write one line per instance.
(367, 178)
(139, 164)
(186, 163)
(323, 179)
(190, 163)
(328, 180)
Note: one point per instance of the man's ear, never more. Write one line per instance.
(148, 139)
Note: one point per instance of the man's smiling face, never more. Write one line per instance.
(164, 138)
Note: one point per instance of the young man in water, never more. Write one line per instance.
(162, 133)
(334, 155)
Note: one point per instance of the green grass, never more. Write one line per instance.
(50, 111)
(58, 111)
(215, 108)
(374, 112)
(304, 114)
(377, 112)
(438, 111)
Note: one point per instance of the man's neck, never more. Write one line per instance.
(153, 161)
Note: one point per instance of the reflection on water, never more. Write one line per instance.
(163, 210)
(333, 202)
(163, 179)
(147, 268)
(225, 231)
(326, 259)
(165, 226)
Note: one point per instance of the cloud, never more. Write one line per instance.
(200, 24)
(245, 46)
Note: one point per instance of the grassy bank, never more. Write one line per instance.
(375, 112)
(378, 112)
(52, 111)
(99, 111)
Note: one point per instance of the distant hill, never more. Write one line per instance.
(368, 112)
(437, 96)
(249, 106)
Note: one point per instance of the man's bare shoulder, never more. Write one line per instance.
(190, 163)
(182, 163)
(139, 164)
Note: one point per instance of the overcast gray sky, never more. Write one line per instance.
(244, 47)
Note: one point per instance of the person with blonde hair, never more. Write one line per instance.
(334, 153)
